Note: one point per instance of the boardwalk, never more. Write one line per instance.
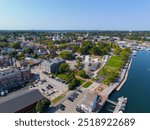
(107, 91)
(125, 77)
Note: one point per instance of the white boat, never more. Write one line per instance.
(134, 53)
(147, 49)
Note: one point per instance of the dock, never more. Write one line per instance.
(120, 105)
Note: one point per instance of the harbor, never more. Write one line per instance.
(135, 88)
(120, 106)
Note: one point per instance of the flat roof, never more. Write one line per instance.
(17, 103)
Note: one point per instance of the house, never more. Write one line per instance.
(89, 102)
(21, 63)
(32, 61)
(41, 51)
(51, 65)
(21, 103)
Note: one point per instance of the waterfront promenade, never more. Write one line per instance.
(117, 85)
(125, 76)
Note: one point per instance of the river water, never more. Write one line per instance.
(137, 86)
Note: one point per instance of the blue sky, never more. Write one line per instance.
(75, 14)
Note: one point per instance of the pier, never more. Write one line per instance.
(120, 105)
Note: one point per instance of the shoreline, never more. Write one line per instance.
(116, 86)
(125, 76)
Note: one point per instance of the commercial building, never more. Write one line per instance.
(12, 77)
(21, 103)
(89, 102)
(51, 65)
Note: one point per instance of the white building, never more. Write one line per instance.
(89, 102)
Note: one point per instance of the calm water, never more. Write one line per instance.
(137, 86)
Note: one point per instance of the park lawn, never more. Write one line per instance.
(112, 69)
(63, 76)
(115, 62)
(116, 58)
(58, 98)
(86, 85)
(81, 81)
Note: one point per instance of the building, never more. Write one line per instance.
(21, 63)
(51, 65)
(5, 61)
(13, 77)
(90, 64)
(22, 103)
(89, 102)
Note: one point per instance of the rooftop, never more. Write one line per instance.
(17, 103)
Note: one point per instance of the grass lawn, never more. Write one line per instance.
(58, 98)
(81, 81)
(63, 76)
(86, 85)
(115, 62)
(112, 69)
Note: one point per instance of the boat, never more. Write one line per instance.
(134, 53)
(147, 49)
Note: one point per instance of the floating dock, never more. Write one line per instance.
(121, 105)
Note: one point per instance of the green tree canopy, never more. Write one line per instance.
(73, 84)
(64, 68)
(96, 50)
(42, 105)
(16, 45)
(28, 51)
(83, 74)
(66, 55)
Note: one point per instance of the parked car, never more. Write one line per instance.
(62, 107)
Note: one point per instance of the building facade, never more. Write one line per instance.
(13, 77)
(89, 102)
(51, 65)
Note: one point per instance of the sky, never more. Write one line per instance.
(74, 14)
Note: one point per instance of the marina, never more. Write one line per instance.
(136, 88)
(119, 106)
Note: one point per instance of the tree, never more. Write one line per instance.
(117, 50)
(4, 44)
(39, 107)
(64, 68)
(13, 54)
(84, 50)
(83, 74)
(79, 64)
(73, 84)
(125, 53)
(42, 105)
(21, 56)
(28, 51)
(66, 55)
(95, 51)
(16, 45)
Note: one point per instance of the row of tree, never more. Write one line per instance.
(73, 82)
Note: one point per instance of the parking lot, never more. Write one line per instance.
(52, 87)
(69, 106)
